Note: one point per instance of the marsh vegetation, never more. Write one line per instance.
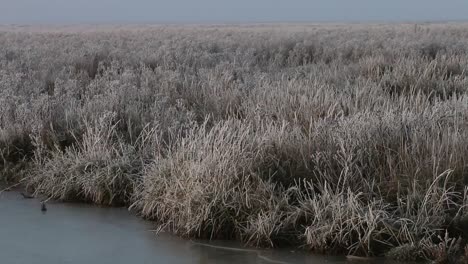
(343, 139)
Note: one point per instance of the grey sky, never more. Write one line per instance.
(103, 11)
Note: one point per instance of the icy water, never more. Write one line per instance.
(77, 233)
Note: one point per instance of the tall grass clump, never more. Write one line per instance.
(210, 184)
(100, 168)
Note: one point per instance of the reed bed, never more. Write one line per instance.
(343, 139)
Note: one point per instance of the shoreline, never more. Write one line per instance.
(258, 251)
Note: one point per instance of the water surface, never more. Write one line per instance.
(77, 233)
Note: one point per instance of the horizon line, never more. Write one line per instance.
(233, 22)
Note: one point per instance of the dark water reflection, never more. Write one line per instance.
(76, 233)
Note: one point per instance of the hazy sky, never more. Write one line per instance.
(114, 11)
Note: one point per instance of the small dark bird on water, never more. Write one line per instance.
(43, 207)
